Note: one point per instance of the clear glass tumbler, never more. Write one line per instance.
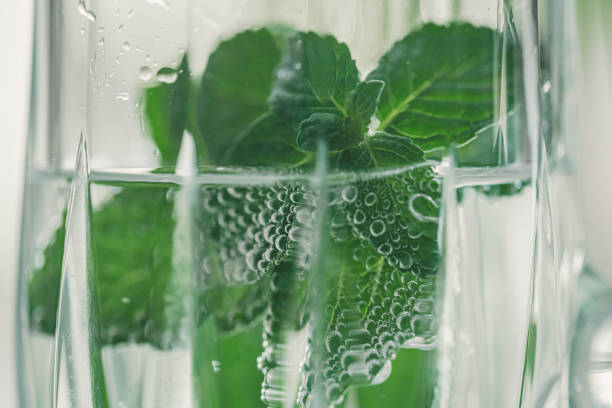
(569, 352)
(278, 203)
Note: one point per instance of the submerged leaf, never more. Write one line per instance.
(384, 151)
(336, 132)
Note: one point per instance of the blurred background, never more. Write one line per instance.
(15, 44)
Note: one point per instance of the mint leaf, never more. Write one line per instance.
(382, 280)
(267, 97)
(362, 102)
(248, 230)
(166, 111)
(335, 131)
(267, 143)
(226, 363)
(235, 88)
(315, 75)
(133, 237)
(382, 150)
(132, 264)
(439, 86)
(411, 384)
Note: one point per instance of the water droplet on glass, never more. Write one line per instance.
(123, 96)
(130, 13)
(85, 12)
(125, 300)
(82, 30)
(216, 365)
(166, 75)
(162, 3)
(126, 45)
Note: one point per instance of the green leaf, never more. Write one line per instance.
(335, 131)
(373, 310)
(132, 237)
(267, 97)
(411, 384)
(439, 84)
(224, 364)
(362, 102)
(382, 150)
(235, 88)
(267, 143)
(315, 75)
(166, 112)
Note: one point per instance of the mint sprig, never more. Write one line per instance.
(268, 97)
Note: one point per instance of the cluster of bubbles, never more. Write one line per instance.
(248, 235)
(388, 302)
(251, 230)
(260, 237)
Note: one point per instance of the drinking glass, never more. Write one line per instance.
(568, 353)
(278, 203)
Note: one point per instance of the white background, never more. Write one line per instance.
(15, 48)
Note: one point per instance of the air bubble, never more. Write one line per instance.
(371, 263)
(377, 228)
(370, 199)
(422, 200)
(349, 194)
(359, 217)
(404, 261)
(403, 321)
(384, 249)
